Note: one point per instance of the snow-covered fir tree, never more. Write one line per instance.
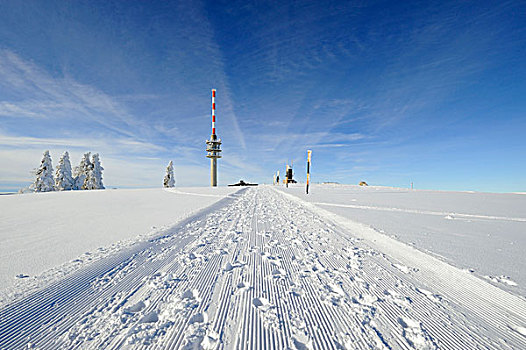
(63, 178)
(76, 174)
(93, 180)
(169, 180)
(44, 175)
(97, 170)
(81, 172)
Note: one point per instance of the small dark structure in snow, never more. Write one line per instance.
(243, 183)
(363, 183)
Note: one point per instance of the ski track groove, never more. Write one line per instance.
(295, 281)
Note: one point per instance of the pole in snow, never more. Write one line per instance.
(309, 153)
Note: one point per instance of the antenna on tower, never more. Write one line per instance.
(213, 146)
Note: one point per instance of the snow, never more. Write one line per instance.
(39, 231)
(484, 233)
(261, 268)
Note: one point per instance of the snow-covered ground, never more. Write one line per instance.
(264, 269)
(39, 231)
(484, 233)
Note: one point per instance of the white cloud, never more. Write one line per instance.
(109, 146)
(52, 97)
(13, 110)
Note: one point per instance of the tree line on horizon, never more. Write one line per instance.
(86, 176)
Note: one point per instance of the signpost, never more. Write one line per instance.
(309, 153)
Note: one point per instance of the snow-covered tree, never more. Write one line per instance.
(97, 169)
(44, 175)
(93, 180)
(63, 178)
(169, 180)
(81, 172)
(76, 175)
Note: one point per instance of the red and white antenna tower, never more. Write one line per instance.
(213, 146)
(213, 111)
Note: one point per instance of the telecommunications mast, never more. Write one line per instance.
(213, 146)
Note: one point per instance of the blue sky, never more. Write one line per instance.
(386, 92)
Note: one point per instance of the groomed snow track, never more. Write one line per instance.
(255, 271)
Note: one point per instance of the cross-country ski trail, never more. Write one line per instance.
(262, 271)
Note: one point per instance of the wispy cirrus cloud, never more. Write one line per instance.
(23, 109)
(110, 146)
(36, 94)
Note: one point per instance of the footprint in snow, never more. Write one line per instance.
(243, 286)
(189, 299)
(200, 317)
(415, 335)
(335, 294)
(203, 338)
(194, 256)
(221, 251)
(430, 295)
(365, 300)
(200, 336)
(402, 268)
(150, 317)
(135, 308)
(397, 298)
(190, 294)
(262, 303)
(297, 291)
(302, 342)
(278, 273)
(503, 280)
(297, 322)
(267, 312)
(231, 266)
(335, 289)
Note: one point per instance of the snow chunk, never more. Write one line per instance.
(150, 317)
(262, 303)
(201, 317)
(191, 294)
(415, 335)
(135, 308)
(402, 268)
